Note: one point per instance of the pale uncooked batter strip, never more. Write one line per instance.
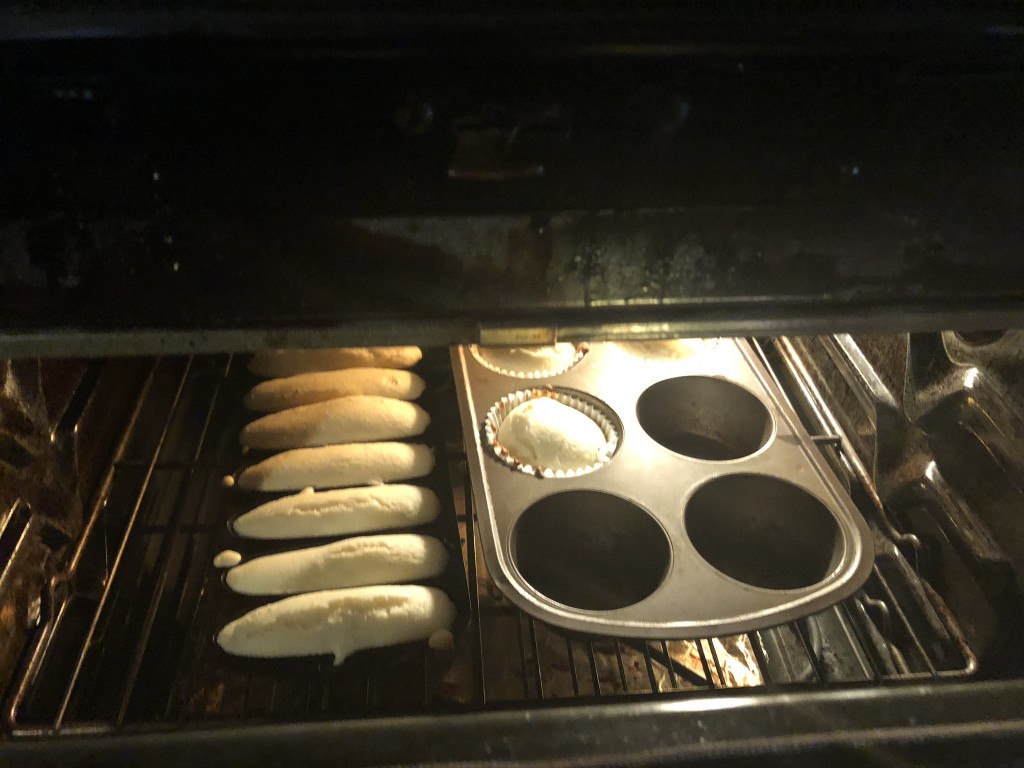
(309, 513)
(338, 466)
(339, 622)
(308, 388)
(288, 362)
(355, 419)
(393, 558)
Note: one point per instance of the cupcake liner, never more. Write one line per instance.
(666, 350)
(497, 413)
(541, 373)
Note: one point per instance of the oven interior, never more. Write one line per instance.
(185, 185)
(109, 600)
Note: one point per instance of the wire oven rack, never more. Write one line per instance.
(125, 637)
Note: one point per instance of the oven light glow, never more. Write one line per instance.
(970, 377)
(703, 705)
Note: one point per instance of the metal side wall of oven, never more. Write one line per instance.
(108, 608)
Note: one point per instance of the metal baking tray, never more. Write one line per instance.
(659, 542)
(230, 605)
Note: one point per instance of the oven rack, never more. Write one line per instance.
(124, 639)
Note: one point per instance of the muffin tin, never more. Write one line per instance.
(716, 515)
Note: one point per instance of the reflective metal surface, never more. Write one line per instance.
(763, 536)
(937, 421)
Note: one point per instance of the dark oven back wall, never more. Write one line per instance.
(174, 185)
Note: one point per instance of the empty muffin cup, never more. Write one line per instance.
(590, 550)
(537, 362)
(979, 338)
(704, 418)
(763, 531)
(551, 433)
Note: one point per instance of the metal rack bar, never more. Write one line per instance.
(855, 619)
(424, 680)
(247, 696)
(537, 677)
(191, 678)
(311, 696)
(649, 665)
(524, 673)
(831, 426)
(572, 668)
(43, 635)
(365, 690)
(671, 667)
(622, 668)
(190, 529)
(369, 694)
(918, 646)
(754, 638)
(273, 696)
(179, 693)
(820, 673)
(371, 685)
(80, 661)
(708, 679)
(829, 423)
(169, 464)
(165, 552)
(475, 627)
(664, 657)
(595, 676)
(968, 655)
(718, 663)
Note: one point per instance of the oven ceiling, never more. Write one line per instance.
(734, 174)
(528, 26)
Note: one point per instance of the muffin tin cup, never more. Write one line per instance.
(716, 515)
(497, 413)
(536, 373)
(705, 418)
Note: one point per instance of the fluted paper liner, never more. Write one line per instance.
(598, 414)
(541, 373)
